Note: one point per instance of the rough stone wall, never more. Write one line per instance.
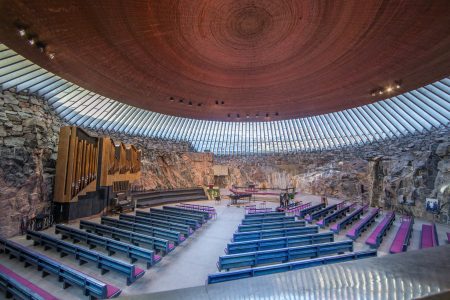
(168, 165)
(409, 169)
(28, 147)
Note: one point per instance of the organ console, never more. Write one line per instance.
(88, 164)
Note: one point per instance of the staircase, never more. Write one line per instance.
(151, 198)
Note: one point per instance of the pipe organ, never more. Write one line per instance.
(87, 164)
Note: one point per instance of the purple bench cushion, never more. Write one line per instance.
(26, 283)
(171, 246)
(361, 223)
(399, 240)
(138, 271)
(427, 236)
(372, 240)
(157, 258)
(112, 291)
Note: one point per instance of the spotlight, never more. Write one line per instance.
(373, 93)
(51, 55)
(238, 116)
(257, 115)
(31, 41)
(190, 103)
(276, 114)
(222, 102)
(199, 104)
(248, 116)
(217, 102)
(229, 116)
(171, 99)
(267, 115)
(181, 100)
(380, 92)
(398, 84)
(389, 89)
(21, 32)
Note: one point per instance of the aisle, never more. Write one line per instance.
(191, 262)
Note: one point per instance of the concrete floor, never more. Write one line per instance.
(190, 263)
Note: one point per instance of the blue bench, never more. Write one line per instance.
(202, 216)
(355, 215)
(184, 229)
(267, 226)
(333, 217)
(321, 213)
(310, 210)
(281, 242)
(376, 237)
(69, 276)
(103, 262)
(267, 220)
(362, 225)
(138, 239)
(267, 234)
(252, 259)
(17, 287)
(169, 218)
(265, 215)
(131, 251)
(170, 235)
(205, 214)
(290, 266)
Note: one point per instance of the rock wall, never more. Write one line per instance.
(28, 144)
(398, 174)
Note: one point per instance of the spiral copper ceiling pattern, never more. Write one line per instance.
(297, 58)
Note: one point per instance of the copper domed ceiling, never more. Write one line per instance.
(223, 58)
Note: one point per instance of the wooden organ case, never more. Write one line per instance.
(90, 171)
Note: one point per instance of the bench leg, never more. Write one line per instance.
(66, 285)
(8, 295)
(92, 246)
(133, 260)
(26, 265)
(104, 271)
(62, 254)
(81, 262)
(110, 252)
(44, 274)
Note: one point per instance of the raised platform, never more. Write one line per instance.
(151, 198)
(419, 273)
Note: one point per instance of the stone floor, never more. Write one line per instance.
(190, 263)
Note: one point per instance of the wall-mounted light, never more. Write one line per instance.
(238, 116)
(31, 41)
(22, 32)
(51, 55)
(398, 84)
(190, 103)
(199, 104)
(276, 114)
(248, 116)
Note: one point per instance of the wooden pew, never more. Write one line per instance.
(302, 213)
(281, 242)
(273, 233)
(333, 217)
(376, 237)
(267, 226)
(170, 235)
(112, 246)
(180, 210)
(336, 227)
(103, 262)
(17, 287)
(68, 275)
(267, 220)
(194, 224)
(428, 236)
(252, 259)
(289, 266)
(363, 224)
(271, 215)
(184, 229)
(401, 240)
(142, 240)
